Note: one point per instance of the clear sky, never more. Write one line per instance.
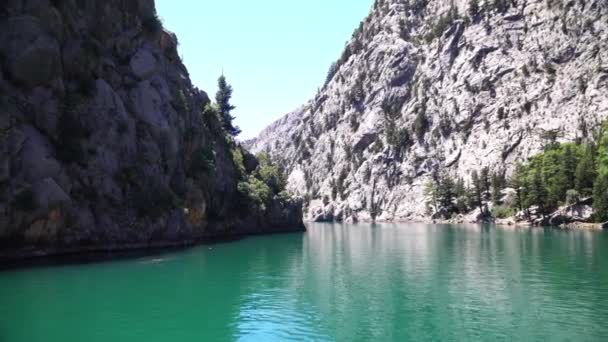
(275, 53)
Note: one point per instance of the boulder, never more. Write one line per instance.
(147, 106)
(579, 212)
(143, 64)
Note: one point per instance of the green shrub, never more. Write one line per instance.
(203, 161)
(503, 212)
(239, 163)
(442, 24)
(572, 197)
(256, 192)
(270, 174)
(285, 196)
(210, 112)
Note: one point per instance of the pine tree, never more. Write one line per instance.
(568, 170)
(537, 193)
(498, 184)
(600, 197)
(460, 192)
(485, 182)
(602, 150)
(476, 192)
(446, 193)
(585, 172)
(430, 194)
(459, 187)
(518, 182)
(600, 189)
(222, 100)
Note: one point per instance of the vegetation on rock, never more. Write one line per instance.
(563, 174)
(222, 99)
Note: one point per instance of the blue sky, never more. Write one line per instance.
(275, 53)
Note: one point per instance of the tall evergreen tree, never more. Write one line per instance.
(222, 100)
(446, 193)
(600, 197)
(600, 189)
(518, 182)
(585, 172)
(498, 184)
(568, 170)
(485, 182)
(477, 191)
(459, 187)
(430, 193)
(537, 193)
(460, 192)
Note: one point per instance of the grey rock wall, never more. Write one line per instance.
(410, 97)
(99, 124)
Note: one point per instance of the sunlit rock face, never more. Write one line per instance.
(99, 124)
(411, 97)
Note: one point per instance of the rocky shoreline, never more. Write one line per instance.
(511, 222)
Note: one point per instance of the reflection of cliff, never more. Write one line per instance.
(334, 283)
(464, 282)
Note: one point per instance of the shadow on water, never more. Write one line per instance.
(92, 257)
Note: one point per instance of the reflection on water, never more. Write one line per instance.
(410, 282)
(399, 282)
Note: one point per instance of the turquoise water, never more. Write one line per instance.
(401, 282)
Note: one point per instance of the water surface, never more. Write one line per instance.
(387, 282)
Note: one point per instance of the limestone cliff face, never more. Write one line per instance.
(102, 134)
(428, 85)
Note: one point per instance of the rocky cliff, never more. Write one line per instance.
(427, 86)
(104, 140)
